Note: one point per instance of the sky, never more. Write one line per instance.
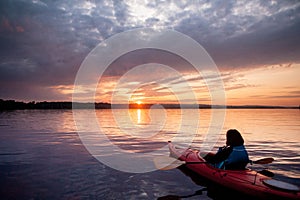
(255, 45)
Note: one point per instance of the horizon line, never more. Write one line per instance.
(69, 104)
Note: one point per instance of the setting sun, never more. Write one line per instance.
(139, 102)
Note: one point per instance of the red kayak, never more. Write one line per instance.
(248, 182)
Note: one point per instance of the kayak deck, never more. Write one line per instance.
(247, 181)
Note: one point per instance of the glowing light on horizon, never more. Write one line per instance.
(139, 116)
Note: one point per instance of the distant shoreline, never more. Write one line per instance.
(16, 105)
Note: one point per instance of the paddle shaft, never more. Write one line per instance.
(263, 161)
(263, 172)
(167, 163)
(196, 162)
(260, 161)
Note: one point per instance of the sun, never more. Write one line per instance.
(139, 102)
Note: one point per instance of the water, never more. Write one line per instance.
(42, 156)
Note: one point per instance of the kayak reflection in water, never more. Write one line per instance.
(233, 156)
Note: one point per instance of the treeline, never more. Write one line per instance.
(17, 105)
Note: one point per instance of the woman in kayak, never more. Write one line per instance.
(233, 156)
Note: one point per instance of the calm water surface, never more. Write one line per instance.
(42, 157)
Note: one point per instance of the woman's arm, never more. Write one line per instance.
(221, 155)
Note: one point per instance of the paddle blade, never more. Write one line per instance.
(264, 161)
(266, 173)
(166, 162)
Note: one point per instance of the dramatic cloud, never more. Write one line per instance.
(43, 42)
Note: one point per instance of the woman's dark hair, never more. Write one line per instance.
(234, 138)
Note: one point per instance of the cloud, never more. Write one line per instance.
(44, 42)
(288, 96)
(243, 34)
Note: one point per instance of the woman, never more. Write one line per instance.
(232, 156)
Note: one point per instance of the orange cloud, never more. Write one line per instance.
(7, 26)
(20, 29)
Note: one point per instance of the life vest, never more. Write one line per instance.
(238, 159)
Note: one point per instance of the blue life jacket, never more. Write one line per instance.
(238, 159)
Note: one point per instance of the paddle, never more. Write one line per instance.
(262, 161)
(266, 173)
(177, 197)
(167, 163)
